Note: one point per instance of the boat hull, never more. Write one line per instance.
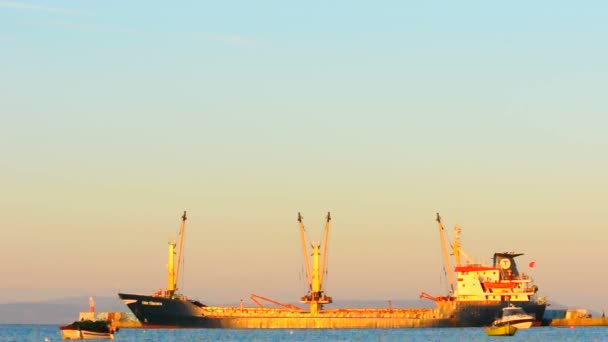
(92, 335)
(70, 334)
(505, 330)
(519, 324)
(76, 334)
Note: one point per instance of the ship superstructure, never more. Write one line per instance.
(481, 292)
(500, 282)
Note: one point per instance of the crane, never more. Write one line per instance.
(315, 296)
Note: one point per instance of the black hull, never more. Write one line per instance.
(480, 314)
(158, 312)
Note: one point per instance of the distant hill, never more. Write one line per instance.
(58, 311)
(395, 303)
(65, 310)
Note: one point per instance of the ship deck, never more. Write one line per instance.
(279, 312)
(279, 318)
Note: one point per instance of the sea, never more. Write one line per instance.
(47, 333)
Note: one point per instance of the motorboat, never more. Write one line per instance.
(515, 316)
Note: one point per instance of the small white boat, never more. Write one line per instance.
(514, 316)
(88, 330)
(74, 334)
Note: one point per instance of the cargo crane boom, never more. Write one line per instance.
(254, 297)
(445, 254)
(306, 262)
(324, 255)
(179, 247)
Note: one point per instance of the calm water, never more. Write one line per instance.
(51, 333)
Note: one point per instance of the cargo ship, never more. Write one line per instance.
(170, 309)
(480, 292)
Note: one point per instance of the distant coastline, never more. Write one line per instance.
(56, 311)
(59, 311)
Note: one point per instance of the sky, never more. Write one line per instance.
(115, 117)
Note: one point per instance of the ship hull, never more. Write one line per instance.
(480, 313)
(158, 312)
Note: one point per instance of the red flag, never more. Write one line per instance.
(531, 264)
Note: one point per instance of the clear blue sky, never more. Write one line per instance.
(115, 116)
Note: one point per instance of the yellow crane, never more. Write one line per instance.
(173, 274)
(445, 254)
(315, 296)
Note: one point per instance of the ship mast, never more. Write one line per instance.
(171, 269)
(315, 297)
(459, 251)
(445, 253)
(456, 245)
(316, 284)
